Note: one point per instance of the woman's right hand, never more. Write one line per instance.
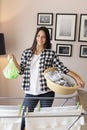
(10, 56)
(14, 59)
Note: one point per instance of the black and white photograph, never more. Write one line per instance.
(65, 27)
(83, 51)
(83, 28)
(64, 49)
(45, 19)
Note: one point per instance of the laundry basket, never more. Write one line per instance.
(58, 88)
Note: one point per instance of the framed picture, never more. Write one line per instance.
(64, 49)
(83, 28)
(50, 31)
(65, 27)
(45, 19)
(83, 51)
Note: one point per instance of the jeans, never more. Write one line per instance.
(30, 102)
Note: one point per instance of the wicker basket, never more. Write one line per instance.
(58, 88)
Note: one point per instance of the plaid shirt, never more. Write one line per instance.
(48, 58)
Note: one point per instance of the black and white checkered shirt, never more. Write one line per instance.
(48, 58)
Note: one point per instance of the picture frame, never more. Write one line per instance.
(64, 50)
(45, 19)
(50, 31)
(83, 28)
(65, 27)
(83, 51)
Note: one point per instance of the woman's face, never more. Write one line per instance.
(41, 38)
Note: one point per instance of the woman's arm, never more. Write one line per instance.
(58, 64)
(77, 78)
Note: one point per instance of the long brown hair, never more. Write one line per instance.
(47, 44)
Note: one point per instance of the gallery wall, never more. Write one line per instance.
(0, 8)
(19, 23)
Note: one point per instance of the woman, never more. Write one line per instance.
(33, 63)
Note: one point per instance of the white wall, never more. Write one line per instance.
(0, 15)
(19, 23)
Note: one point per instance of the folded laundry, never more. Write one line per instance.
(60, 78)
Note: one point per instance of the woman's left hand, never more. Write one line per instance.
(80, 82)
(77, 78)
